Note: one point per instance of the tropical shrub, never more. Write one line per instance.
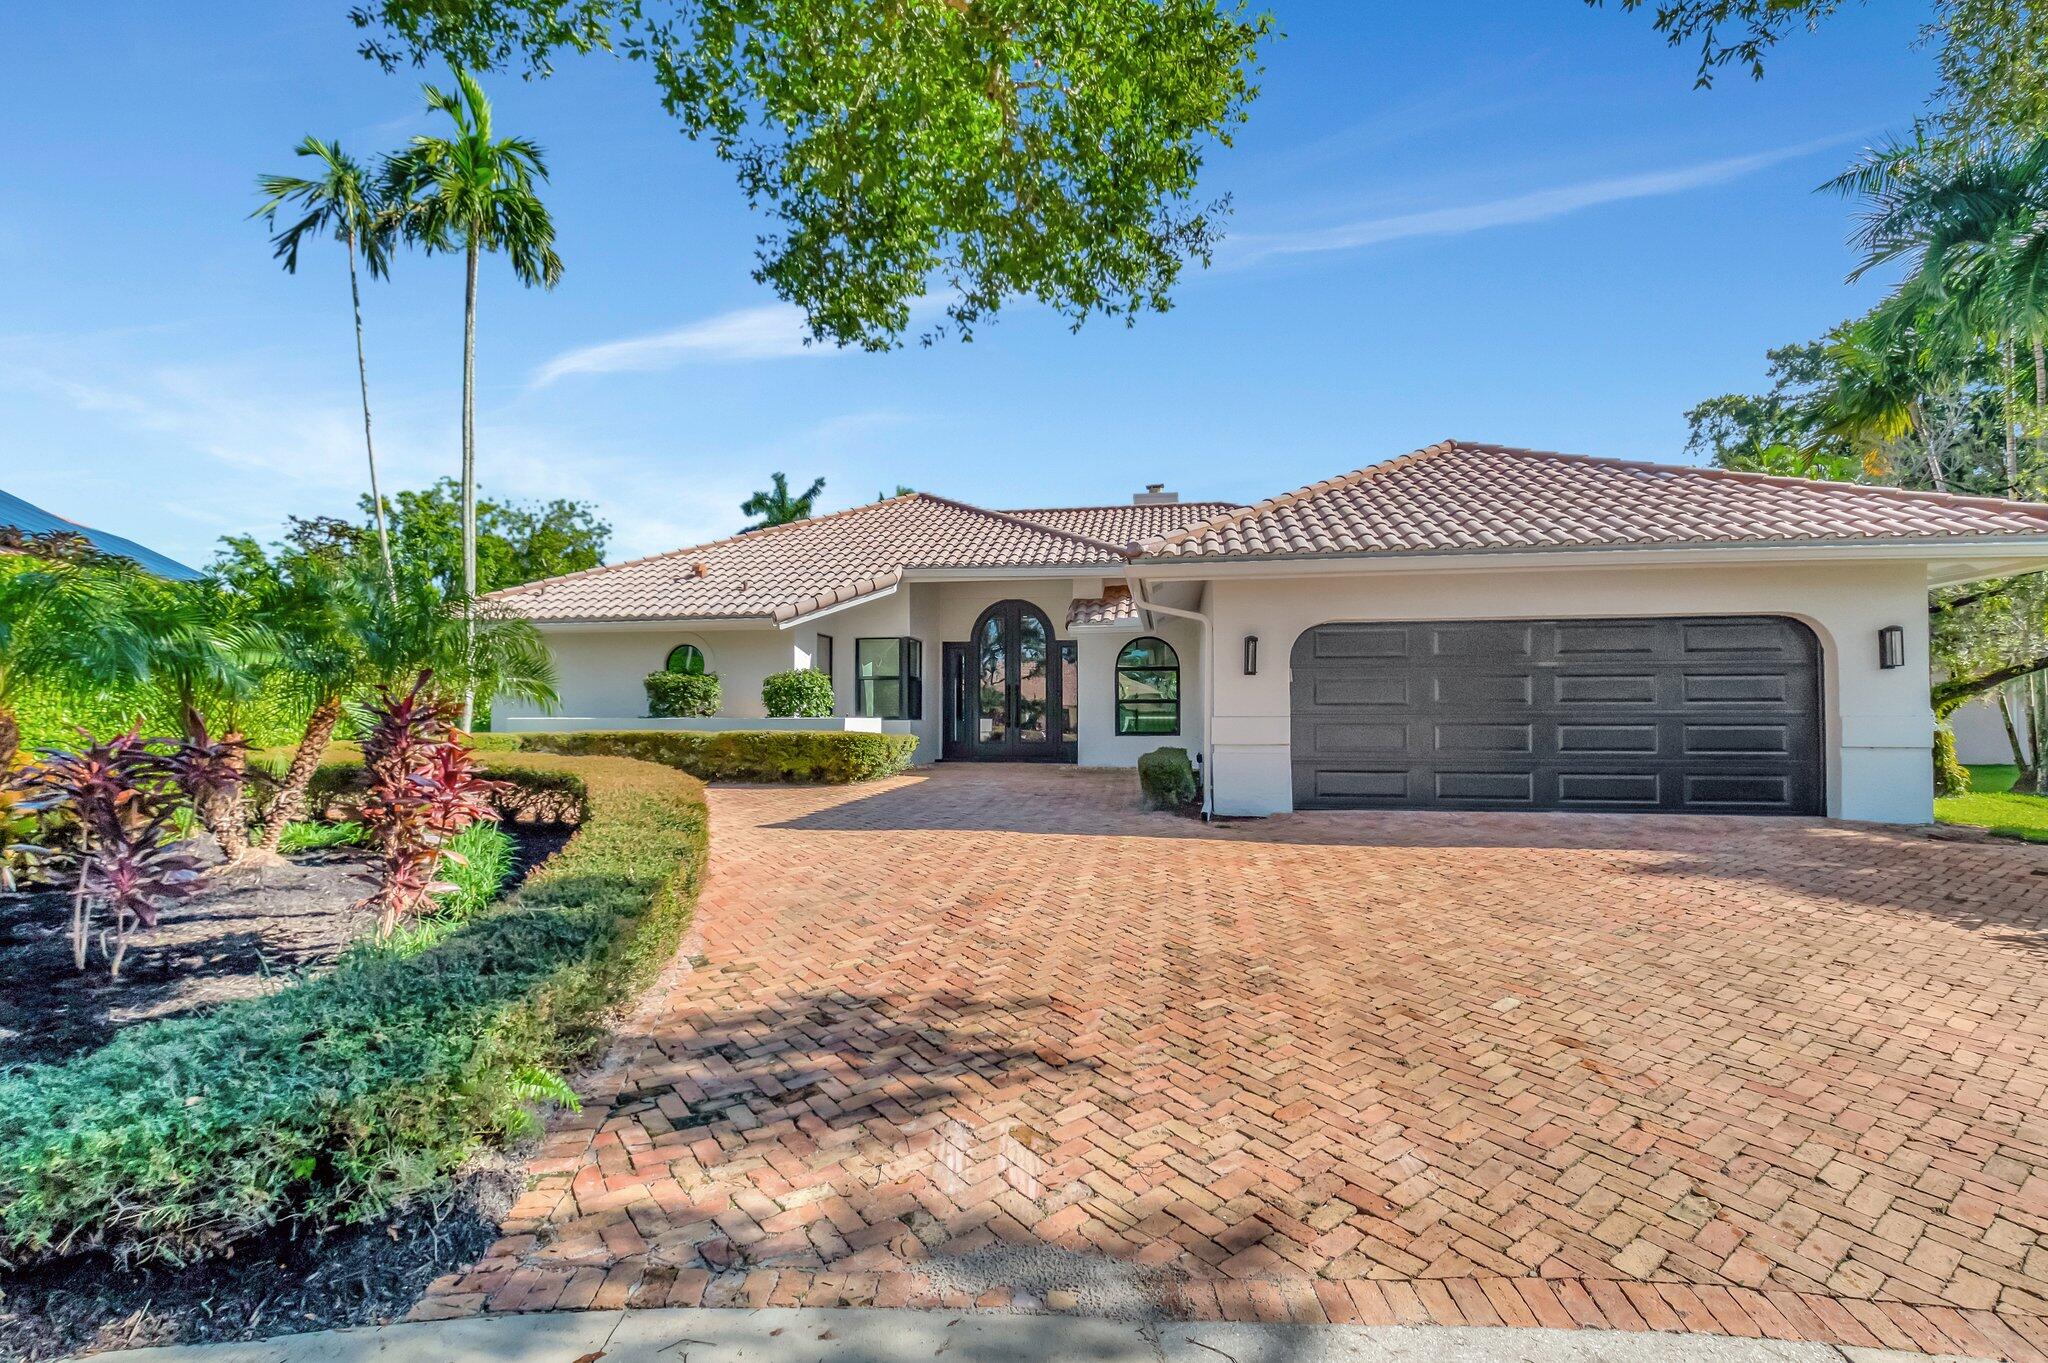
(122, 795)
(681, 695)
(333, 1099)
(421, 790)
(1167, 777)
(829, 758)
(802, 693)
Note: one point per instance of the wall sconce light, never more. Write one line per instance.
(1891, 647)
(1251, 655)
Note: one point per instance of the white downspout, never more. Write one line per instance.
(1208, 686)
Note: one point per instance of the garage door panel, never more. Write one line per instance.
(1492, 641)
(1598, 688)
(1389, 689)
(1653, 714)
(1606, 738)
(1487, 787)
(1636, 788)
(1361, 641)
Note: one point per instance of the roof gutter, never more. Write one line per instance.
(1147, 609)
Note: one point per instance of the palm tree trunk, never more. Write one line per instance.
(2040, 408)
(469, 483)
(355, 294)
(2006, 414)
(218, 806)
(10, 738)
(298, 777)
(1927, 447)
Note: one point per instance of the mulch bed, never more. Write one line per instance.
(245, 935)
(248, 933)
(275, 1285)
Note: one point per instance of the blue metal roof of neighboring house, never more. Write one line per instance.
(33, 520)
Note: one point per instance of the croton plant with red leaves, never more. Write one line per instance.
(422, 789)
(123, 794)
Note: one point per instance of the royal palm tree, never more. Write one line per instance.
(776, 507)
(343, 202)
(474, 192)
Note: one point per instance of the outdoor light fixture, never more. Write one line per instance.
(1251, 655)
(1891, 647)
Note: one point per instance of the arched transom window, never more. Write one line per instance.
(1148, 688)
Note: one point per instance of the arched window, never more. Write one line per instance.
(1148, 688)
(686, 658)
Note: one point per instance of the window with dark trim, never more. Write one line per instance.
(821, 657)
(1148, 688)
(888, 678)
(686, 658)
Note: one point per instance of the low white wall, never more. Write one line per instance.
(1980, 733)
(707, 724)
(1878, 725)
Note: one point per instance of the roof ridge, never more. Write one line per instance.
(701, 547)
(1909, 494)
(1342, 480)
(1118, 506)
(1020, 522)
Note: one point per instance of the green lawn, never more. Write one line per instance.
(1990, 804)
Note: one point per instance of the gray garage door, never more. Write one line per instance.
(1703, 715)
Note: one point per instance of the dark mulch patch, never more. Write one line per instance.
(246, 934)
(277, 1285)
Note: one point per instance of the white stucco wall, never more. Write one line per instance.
(1980, 733)
(1877, 722)
(599, 670)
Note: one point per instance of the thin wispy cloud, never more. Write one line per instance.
(1535, 206)
(774, 331)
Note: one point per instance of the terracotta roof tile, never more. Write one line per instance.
(1127, 524)
(786, 571)
(1459, 496)
(1114, 607)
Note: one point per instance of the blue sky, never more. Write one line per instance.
(1512, 222)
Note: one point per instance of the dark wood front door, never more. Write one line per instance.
(1009, 690)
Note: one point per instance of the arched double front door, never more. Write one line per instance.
(1011, 689)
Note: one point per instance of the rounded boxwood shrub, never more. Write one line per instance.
(1167, 777)
(676, 695)
(803, 693)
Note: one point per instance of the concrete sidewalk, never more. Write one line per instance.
(847, 1335)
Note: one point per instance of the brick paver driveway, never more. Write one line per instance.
(995, 1035)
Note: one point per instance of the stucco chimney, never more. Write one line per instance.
(1155, 494)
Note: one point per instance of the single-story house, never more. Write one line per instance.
(1468, 626)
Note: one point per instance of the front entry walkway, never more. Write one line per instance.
(996, 1037)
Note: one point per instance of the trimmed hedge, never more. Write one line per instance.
(332, 1099)
(804, 693)
(682, 694)
(1167, 777)
(833, 758)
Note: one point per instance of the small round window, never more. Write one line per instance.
(686, 658)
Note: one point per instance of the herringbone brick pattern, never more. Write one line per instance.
(947, 1031)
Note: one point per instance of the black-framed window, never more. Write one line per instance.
(821, 657)
(1148, 688)
(888, 678)
(686, 658)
